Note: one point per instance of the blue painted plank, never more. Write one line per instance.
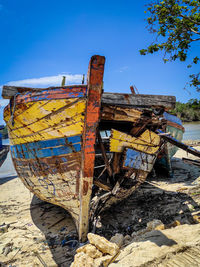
(138, 160)
(47, 148)
(51, 143)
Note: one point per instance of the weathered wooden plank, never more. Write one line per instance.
(9, 91)
(120, 114)
(177, 143)
(51, 165)
(50, 120)
(47, 148)
(128, 100)
(138, 160)
(191, 161)
(148, 142)
(139, 100)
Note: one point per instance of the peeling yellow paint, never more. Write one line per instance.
(43, 121)
(148, 142)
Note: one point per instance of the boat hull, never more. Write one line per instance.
(52, 136)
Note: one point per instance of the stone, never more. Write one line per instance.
(154, 224)
(4, 228)
(160, 227)
(196, 218)
(103, 244)
(82, 260)
(103, 261)
(118, 239)
(134, 234)
(90, 250)
(127, 240)
(174, 224)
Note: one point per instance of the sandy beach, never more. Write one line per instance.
(36, 233)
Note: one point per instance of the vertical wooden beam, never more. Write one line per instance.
(95, 81)
(104, 155)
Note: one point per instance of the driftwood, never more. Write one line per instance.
(179, 144)
(191, 161)
(123, 100)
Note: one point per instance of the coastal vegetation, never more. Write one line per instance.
(189, 111)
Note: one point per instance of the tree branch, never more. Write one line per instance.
(185, 17)
(193, 40)
(194, 31)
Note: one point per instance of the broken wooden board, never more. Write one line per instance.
(138, 160)
(114, 113)
(191, 161)
(147, 142)
(179, 144)
(139, 100)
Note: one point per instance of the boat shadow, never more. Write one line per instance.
(58, 227)
(7, 179)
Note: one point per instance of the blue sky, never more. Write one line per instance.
(42, 40)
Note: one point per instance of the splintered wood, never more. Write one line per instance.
(115, 113)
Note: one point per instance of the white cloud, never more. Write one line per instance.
(122, 69)
(4, 102)
(48, 81)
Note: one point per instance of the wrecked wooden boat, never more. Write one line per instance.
(80, 148)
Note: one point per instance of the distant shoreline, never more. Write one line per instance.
(187, 121)
(197, 122)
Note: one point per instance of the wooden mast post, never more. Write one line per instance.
(94, 93)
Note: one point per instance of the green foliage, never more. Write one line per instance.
(189, 111)
(4, 132)
(177, 25)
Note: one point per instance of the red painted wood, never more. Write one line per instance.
(92, 116)
(55, 93)
(95, 80)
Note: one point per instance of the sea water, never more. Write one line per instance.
(7, 169)
(192, 131)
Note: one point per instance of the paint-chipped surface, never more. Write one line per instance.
(147, 142)
(46, 137)
(111, 113)
(52, 135)
(138, 160)
(92, 117)
(45, 120)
